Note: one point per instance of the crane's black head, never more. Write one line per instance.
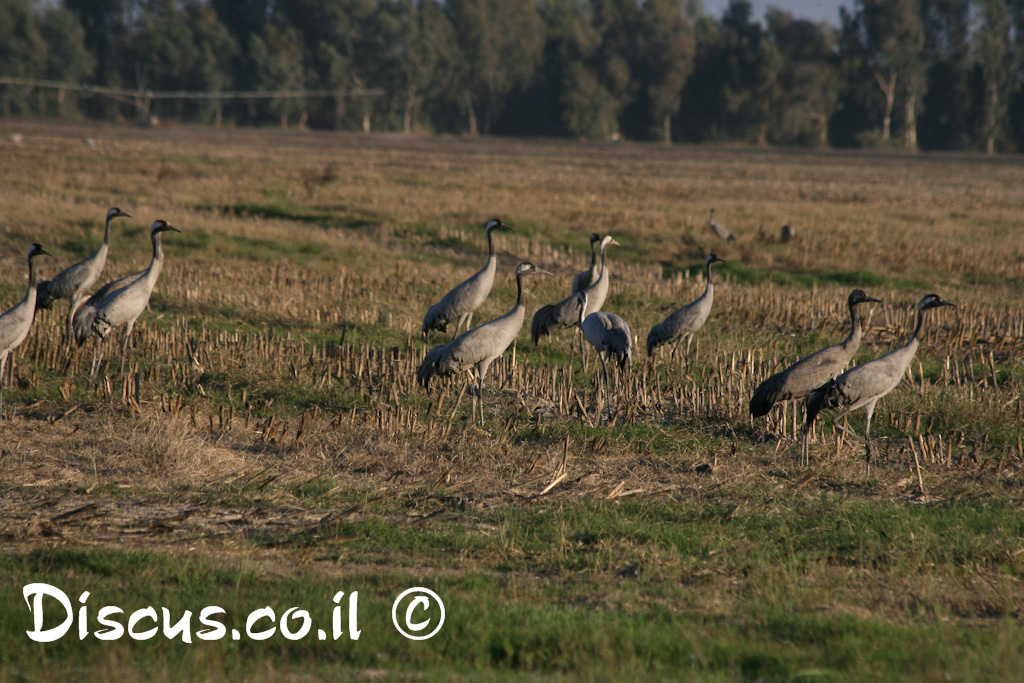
(858, 296)
(933, 301)
(161, 226)
(594, 237)
(527, 268)
(712, 258)
(36, 250)
(496, 224)
(115, 212)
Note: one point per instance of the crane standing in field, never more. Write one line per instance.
(862, 385)
(566, 313)
(809, 373)
(590, 275)
(721, 232)
(15, 323)
(477, 348)
(686, 321)
(123, 301)
(73, 282)
(460, 302)
(608, 333)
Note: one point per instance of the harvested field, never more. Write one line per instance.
(269, 441)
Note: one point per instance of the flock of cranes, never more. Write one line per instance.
(821, 379)
(117, 303)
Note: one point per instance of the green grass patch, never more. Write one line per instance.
(516, 604)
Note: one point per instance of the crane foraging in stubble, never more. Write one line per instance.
(460, 302)
(477, 348)
(811, 372)
(685, 322)
(74, 281)
(122, 301)
(721, 232)
(608, 333)
(590, 275)
(16, 322)
(566, 313)
(862, 385)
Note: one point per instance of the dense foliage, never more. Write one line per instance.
(939, 74)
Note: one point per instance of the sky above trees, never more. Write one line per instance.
(812, 10)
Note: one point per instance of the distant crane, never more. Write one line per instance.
(477, 348)
(786, 233)
(861, 386)
(74, 281)
(16, 322)
(721, 232)
(460, 302)
(809, 373)
(608, 333)
(686, 321)
(590, 275)
(123, 301)
(566, 313)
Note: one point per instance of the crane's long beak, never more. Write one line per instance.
(545, 272)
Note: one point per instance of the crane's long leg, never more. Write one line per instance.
(480, 393)
(124, 345)
(675, 347)
(97, 356)
(73, 305)
(3, 366)
(869, 409)
(572, 347)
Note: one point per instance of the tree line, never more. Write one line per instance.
(932, 74)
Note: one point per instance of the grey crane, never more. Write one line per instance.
(590, 275)
(73, 282)
(721, 232)
(809, 373)
(15, 323)
(460, 302)
(123, 301)
(862, 385)
(477, 348)
(686, 321)
(566, 313)
(606, 332)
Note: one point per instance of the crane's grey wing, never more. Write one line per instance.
(84, 322)
(547, 319)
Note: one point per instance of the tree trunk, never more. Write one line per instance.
(339, 109)
(889, 90)
(471, 114)
(990, 119)
(666, 127)
(822, 130)
(910, 134)
(410, 105)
